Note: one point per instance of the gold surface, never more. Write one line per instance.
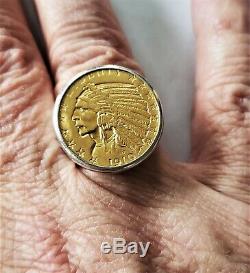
(109, 117)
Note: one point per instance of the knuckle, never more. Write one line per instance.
(20, 87)
(225, 90)
(89, 32)
(92, 53)
(230, 105)
(224, 111)
(94, 44)
(72, 62)
(13, 55)
(16, 46)
(22, 77)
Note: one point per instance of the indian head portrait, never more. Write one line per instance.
(115, 118)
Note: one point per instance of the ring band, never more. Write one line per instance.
(108, 119)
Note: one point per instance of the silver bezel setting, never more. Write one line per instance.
(74, 157)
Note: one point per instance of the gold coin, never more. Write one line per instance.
(108, 119)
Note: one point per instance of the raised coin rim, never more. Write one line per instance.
(83, 163)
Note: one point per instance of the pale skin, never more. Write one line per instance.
(54, 215)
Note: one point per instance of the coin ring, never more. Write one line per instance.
(84, 163)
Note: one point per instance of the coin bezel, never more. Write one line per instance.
(83, 163)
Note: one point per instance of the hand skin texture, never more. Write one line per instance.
(54, 215)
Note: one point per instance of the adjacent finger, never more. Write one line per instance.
(221, 125)
(26, 147)
(81, 35)
(25, 88)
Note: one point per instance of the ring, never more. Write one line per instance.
(108, 119)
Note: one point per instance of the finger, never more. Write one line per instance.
(26, 150)
(221, 125)
(25, 88)
(81, 35)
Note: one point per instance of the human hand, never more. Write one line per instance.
(54, 215)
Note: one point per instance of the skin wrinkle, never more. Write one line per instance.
(88, 43)
(240, 175)
(67, 28)
(241, 243)
(17, 62)
(241, 240)
(116, 40)
(230, 117)
(220, 157)
(8, 60)
(23, 151)
(236, 113)
(208, 175)
(36, 261)
(86, 54)
(95, 9)
(13, 33)
(100, 57)
(224, 209)
(22, 103)
(242, 81)
(89, 19)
